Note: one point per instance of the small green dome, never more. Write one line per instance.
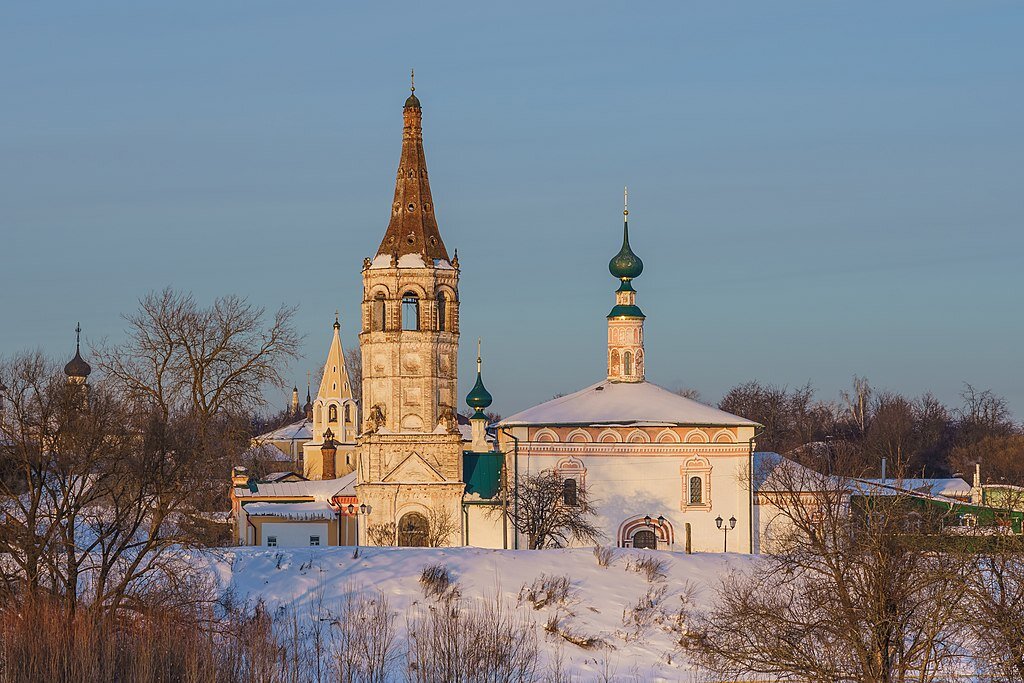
(479, 398)
(626, 264)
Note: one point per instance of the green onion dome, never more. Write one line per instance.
(479, 398)
(626, 264)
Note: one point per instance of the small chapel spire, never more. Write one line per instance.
(626, 320)
(77, 370)
(478, 399)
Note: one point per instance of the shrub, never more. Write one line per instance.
(435, 581)
(653, 568)
(604, 554)
(545, 590)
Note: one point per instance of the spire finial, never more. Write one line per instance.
(412, 80)
(78, 336)
(478, 359)
(336, 323)
(625, 202)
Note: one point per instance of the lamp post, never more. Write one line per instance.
(725, 530)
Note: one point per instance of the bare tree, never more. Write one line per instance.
(354, 366)
(100, 494)
(548, 516)
(441, 527)
(857, 402)
(183, 358)
(849, 593)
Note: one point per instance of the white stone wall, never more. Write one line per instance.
(294, 534)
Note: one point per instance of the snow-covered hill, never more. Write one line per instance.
(632, 621)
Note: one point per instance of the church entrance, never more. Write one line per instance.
(645, 539)
(412, 530)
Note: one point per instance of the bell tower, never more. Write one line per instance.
(626, 320)
(410, 463)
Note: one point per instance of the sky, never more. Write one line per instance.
(818, 189)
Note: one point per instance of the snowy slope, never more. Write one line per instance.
(601, 596)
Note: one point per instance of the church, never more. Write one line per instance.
(401, 468)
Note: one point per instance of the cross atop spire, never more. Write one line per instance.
(412, 80)
(337, 324)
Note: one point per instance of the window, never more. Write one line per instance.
(441, 312)
(569, 492)
(332, 414)
(348, 413)
(377, 314)
(271, 541)
(627, 363)
(696, 491)
(410, 312)
(314, 540)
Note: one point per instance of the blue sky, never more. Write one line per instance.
(817, 189)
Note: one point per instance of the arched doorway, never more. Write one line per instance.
(645, 539)
(412, 530)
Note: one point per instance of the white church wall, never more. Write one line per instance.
(627, 488)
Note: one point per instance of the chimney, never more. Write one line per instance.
(328, 452)
(239, 476)
(977, 493)
(884, 463)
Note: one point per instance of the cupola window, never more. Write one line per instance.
(627, 363)
(441, 312)
(410, 312)
(377, 314)
(332, 414)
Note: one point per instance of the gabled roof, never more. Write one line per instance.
(296, 431)
(321, 489)
(624, 403)
(773, 472)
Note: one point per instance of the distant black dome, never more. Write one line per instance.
(77, 367)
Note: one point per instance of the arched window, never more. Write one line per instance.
(377, 324)
(332, 414)
(696, 491)
(569, 492)
(627, 363)
(348, 412)
(412, 530)
(615, 360)
(441, 312)
(410, 311)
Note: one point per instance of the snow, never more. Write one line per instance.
(600, 597)
(624, 403)
(311, 510)
(297, 431)
(409, 261)
(947, 488)
(320, 490)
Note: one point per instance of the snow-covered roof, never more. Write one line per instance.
(954, 487)
(320, 489)
(624, 403)
(774, 472)
(311, 510)
(267, 451)
(296, 431)
(274, 477)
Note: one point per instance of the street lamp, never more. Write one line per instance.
(725, 531)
